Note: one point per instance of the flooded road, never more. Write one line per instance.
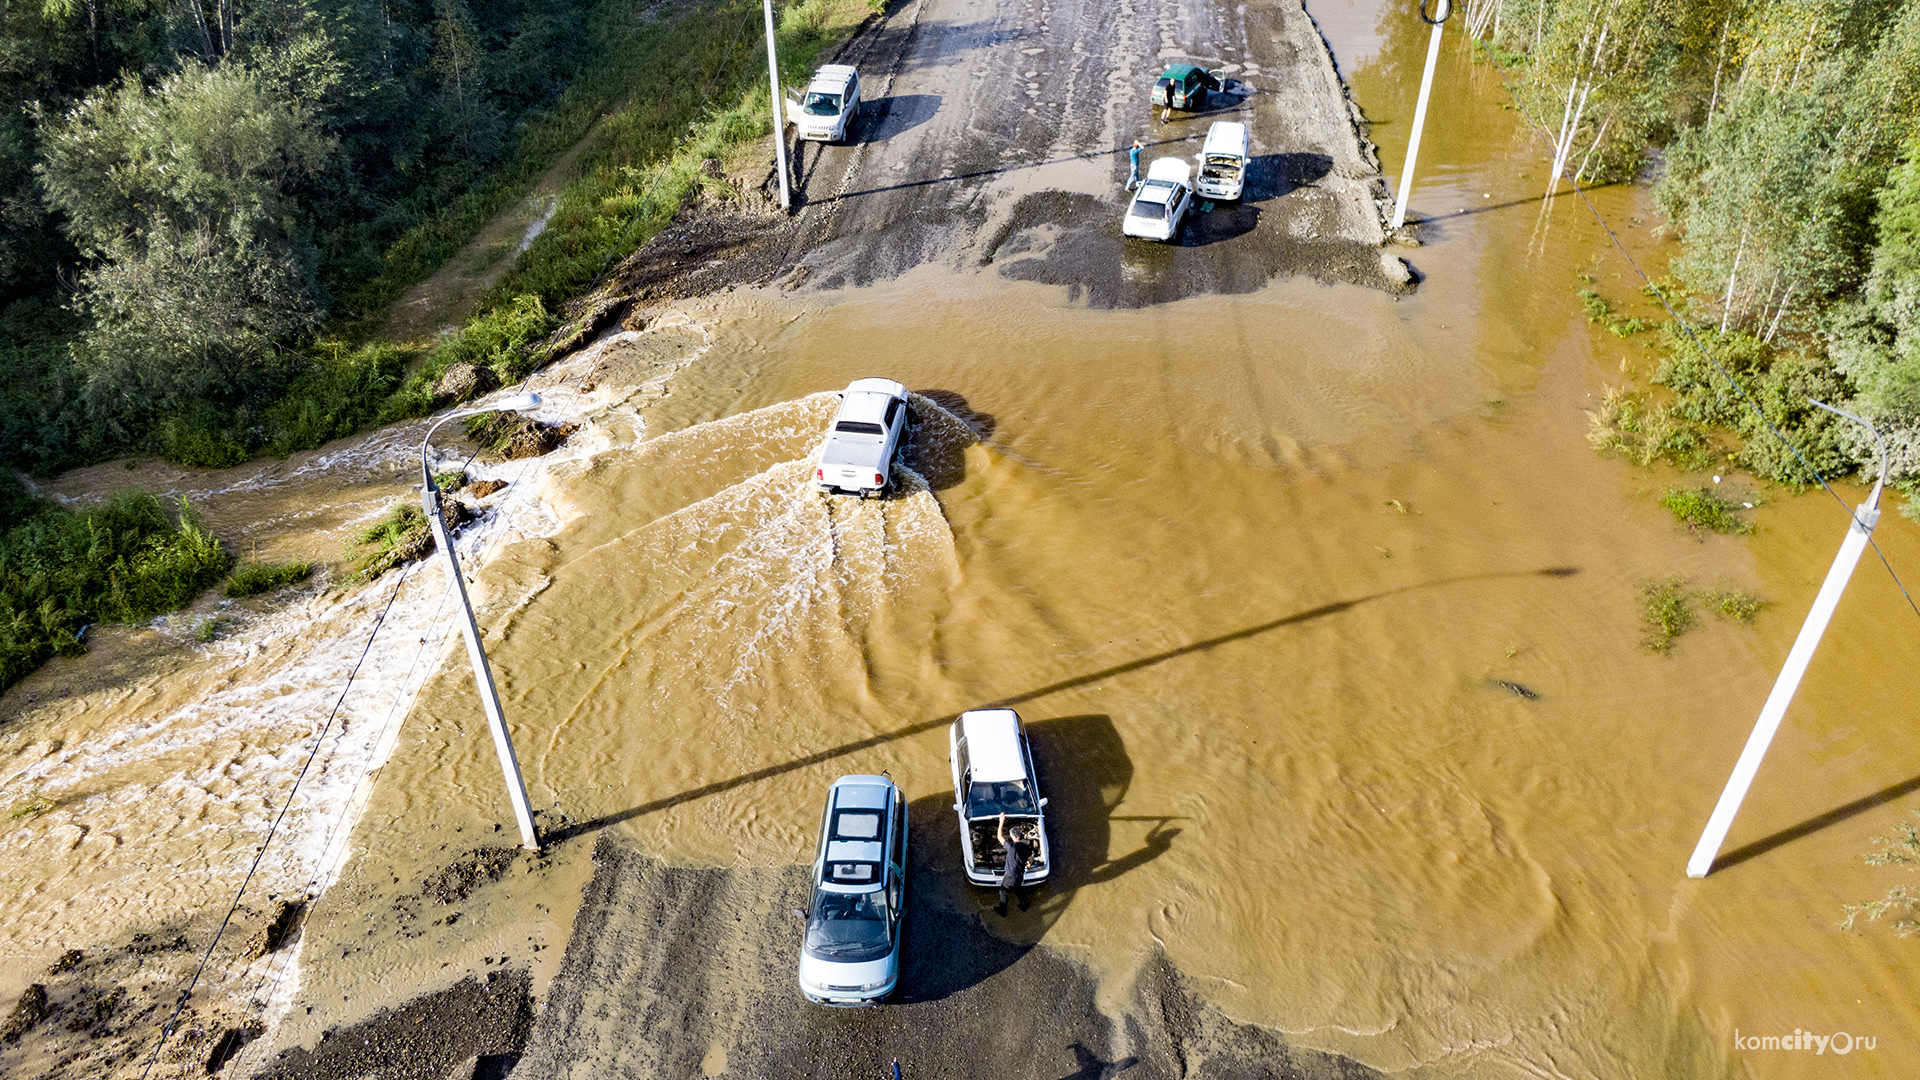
(1262, 570)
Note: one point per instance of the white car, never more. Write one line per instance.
(1223, 161)
(993, 775)
(826, 111)
(1162, 202)
(866, 436)
(850, 955)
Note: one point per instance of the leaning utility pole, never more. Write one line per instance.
(482, 673)
(1858, 534)
(1420, 110)
(779, 111)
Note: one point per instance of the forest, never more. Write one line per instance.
(1782, 140)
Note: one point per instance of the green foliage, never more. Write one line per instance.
(254, 578)
(399, 537)
(32, 806)
(1700, 508)
(340, 391)
(1601, 312)
(1666, 613)
(1628, 423)
(125, 561)
(1902, 849)
(1734, 604)
(1781, 385)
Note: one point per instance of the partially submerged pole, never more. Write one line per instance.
(482, 673)
(779, 110)
(1420, 109)
(1858, 533)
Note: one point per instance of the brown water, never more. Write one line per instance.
(1252, 567)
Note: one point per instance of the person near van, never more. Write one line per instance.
(1133, 164)
(1019, 853)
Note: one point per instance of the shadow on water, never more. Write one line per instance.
(767, 772)
(1814, 824)
(938, 452)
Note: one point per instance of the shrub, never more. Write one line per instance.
(1667, 615)
(124, 561)
(1700, 508)
(254, 578)
(399, 537)
(1736, 605)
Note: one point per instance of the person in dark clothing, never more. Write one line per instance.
(1019, 853)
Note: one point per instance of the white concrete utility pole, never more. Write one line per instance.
(779, 111)
(1420, 110)
(1858, 533)
(482, 674)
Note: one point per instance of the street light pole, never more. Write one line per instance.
(1420, 110)
(482, 673)
(779, 111)
(1858, 533)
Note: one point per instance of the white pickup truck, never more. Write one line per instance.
(866, 435)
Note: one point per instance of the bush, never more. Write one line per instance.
(254, 578)
(125, 561)
(1700, 508)
(1667, 615)
(398, 538)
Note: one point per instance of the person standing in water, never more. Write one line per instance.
(1133, 164)
(1019, 853)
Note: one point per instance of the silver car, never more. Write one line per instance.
(850, 955)
(866, 435)
(994, 783)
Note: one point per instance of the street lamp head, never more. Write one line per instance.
(518, 403)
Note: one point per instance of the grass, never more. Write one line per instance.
(1667, 613)
(35, 805)
(1599, 311)
(1900, 849)
(1700, 508)
(399, 537)
(1734, 604)
(125, 561)
(254, 578)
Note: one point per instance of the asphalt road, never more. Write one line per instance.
(996, 134)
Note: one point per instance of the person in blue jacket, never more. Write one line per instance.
(1133, 164)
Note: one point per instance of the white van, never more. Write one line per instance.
(1223, 161)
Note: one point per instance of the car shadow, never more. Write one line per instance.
(937, 446)
(1224, 222)
(1270, 176)
(883, 118)
(955, 938)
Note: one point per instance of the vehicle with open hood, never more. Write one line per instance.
(993, 775)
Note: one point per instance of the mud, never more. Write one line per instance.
(682, 971)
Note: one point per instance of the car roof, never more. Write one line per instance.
(833, 78)
(861, 791)
(993, 744)
(856, 792)
(1170, 169)
(1179, 71)
(1226, 137)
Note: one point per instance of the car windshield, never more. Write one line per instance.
(988, 798)
(818, 104)
(858, 427)
(850, 928)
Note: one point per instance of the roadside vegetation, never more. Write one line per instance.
(1784, 137)
(1667, 610)
(254, 578)
(1700, 508)
(125, 561)
(1901, 904)
(206, 212)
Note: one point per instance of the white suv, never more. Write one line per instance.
(827, 110)
(851, 953)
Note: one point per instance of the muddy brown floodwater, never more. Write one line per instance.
(1262, 570)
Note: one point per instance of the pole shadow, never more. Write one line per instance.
(1814, 824)
(667, 802)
